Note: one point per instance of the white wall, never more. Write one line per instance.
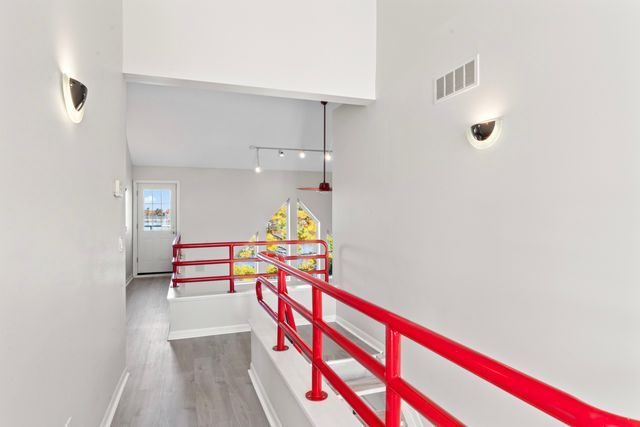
(62, 321)
(291, 48)
(226, 204)
(186, 127)
(526, 252)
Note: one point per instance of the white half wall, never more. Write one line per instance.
(527, 252)
(62, 310)
(299, 49)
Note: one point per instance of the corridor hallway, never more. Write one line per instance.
(182, 383)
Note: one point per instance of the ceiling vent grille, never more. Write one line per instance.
(461, 79)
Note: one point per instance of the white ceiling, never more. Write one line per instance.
(177, 126)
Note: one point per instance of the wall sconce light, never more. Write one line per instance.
(75, 97)
(484, 135)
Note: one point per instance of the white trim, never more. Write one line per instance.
(142, 276)
(279, 93)
(115, 400)
(368, 339)
(129, 280)
(134, 223)
(231, 329)
(267, 407)
(206, 332)
(173, 297)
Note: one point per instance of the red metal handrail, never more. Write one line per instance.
(178, 262)
(548, 399)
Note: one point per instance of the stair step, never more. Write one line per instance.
(367, 384)
(331, 351)
(377, 402)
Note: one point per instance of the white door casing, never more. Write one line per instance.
(156, 226)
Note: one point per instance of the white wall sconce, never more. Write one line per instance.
(483, 135)
(75, 97)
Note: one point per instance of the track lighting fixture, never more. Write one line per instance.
(258, 169)
(327, 155)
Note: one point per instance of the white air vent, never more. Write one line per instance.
(461, 79)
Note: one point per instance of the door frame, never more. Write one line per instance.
(135, 220)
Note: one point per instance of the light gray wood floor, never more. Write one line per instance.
(183, 383)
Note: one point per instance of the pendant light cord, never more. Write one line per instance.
(324, 145)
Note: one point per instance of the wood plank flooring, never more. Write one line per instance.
(183, 383)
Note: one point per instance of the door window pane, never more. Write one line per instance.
(157, 210)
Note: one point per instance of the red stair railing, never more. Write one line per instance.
(546, 398)
(178, 262)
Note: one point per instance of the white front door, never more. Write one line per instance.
(156, 226)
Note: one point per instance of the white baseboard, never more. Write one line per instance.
(263, 397)
(115, 399)
(206, 332)
(368, 339)
(129, 280)
(142, 276)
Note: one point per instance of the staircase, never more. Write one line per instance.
(362, 380)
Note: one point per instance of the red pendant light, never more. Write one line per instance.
(324, 185)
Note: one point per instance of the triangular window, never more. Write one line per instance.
(308, 228)
(277, 229)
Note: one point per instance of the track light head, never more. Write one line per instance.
(302, 154)
(281, 153)
(258, 169)
(328, 157)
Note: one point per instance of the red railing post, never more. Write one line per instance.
(176, 257)
(326, 264)
(316, 392)
(232, 284)
(392, 373)
(282, 283)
